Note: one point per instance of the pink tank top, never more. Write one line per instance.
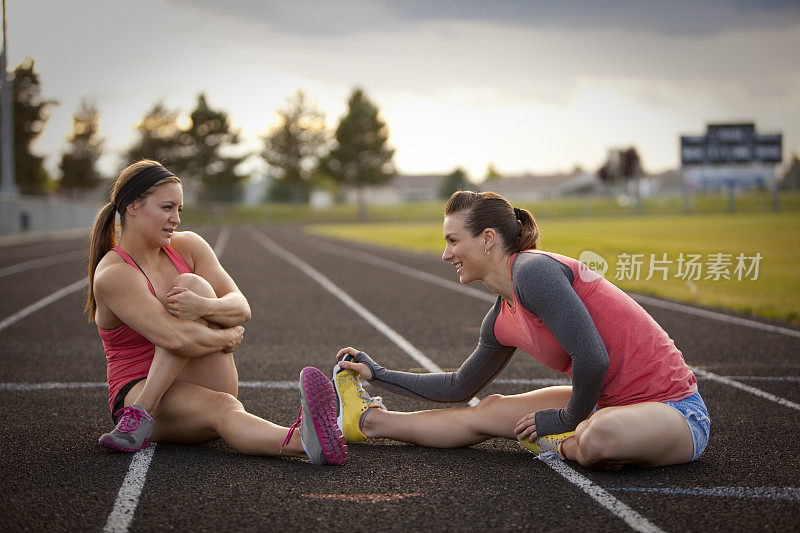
(129, 354)
(644, 363)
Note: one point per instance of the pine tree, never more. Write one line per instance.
(361, 155)
(201, 157)
(293, 148)
(78, 164)
(159, 138)
(30, 119)
(456, 181)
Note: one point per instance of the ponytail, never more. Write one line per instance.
(529, 232)
(103, 239)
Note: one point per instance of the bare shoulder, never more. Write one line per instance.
(114, 275)
(189, 244)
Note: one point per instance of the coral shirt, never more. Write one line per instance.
(644, 363)
(128, 353)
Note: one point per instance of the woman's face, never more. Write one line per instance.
(463, 250)
(158, 215)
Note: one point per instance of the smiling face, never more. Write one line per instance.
(464, 251)
(158, 215)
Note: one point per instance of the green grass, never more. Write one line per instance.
(590, 206)
(774, 294)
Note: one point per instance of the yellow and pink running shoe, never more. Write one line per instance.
(354, 402)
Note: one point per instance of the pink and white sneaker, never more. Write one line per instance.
(320, 435)
(132, 432)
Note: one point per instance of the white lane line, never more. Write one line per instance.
(544, 382)
(616, 507)
(655, 302)
(401, 269)
(672, 306)
(19, 315)
(41, 262)
(747, 388)
(424, 276)
(636, 521)
(742, 493)
(222, 240)
(345, 298)
(128, 496)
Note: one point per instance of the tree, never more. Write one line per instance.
(620, 167)
(361, 155)
(30, 119)
(492, 174)
(456, 181)
(78, 164)
(293, 148)
(201, 158)
(159, 137)
(791, 178)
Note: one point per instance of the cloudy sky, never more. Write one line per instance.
(537, 86)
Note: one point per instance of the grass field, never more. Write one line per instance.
(773, 293)
(588, 206)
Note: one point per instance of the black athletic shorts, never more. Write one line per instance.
(119, 401)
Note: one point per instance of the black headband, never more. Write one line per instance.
(517, 213)
(138, 184)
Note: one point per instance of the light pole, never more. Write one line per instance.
(7, 182)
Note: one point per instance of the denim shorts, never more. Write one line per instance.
(694, 410)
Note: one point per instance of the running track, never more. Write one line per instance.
(309, 297)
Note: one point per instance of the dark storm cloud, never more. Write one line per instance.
(675, 18)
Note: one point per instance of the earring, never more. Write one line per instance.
(487, 252)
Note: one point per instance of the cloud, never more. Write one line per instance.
(676, 17)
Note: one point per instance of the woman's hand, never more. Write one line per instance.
(362, 369)
(526, 428)
(238, 335)
(183, 303)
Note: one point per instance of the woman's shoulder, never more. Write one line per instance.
(187, 243)
(113, 273)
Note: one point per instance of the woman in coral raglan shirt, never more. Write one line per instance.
(633, 399)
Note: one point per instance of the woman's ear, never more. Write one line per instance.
(489, 238)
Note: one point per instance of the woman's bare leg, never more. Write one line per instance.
(644, 434)
(189, 414)
(494, 416)
(167, 366)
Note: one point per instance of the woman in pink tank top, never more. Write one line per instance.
(633, 400)
(170, 319)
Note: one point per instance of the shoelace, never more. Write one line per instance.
(552, 446)
(291, 430)
(129, 420)
(365, 397)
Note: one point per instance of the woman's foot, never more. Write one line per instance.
(319, 434)
(354, 403)
(132, 432)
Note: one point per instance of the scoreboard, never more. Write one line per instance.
(730, 155)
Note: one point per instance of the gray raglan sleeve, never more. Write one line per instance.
(543, 286)
(480, 368)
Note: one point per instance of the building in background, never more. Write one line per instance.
(730, 156)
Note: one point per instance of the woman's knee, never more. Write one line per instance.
(224, 403)
(484, 411)
(195, 283)
(599, 438)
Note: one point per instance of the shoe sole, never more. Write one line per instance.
(319, 395)
(108, 442)
(340, 411)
